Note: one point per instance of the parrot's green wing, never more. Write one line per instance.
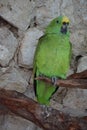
(43, 91)
(35, 55)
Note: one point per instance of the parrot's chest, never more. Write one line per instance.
(54, 58)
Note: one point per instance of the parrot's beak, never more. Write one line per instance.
(65, 23)
(64, 27)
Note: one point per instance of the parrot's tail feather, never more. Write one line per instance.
(43, 91)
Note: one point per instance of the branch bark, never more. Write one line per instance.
(77, 80)
(45, 117)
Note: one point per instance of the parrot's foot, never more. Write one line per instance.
(46, 111)
(41, 75)
(54, 80)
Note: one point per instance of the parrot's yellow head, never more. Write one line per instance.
(65, 19)
(59, 25)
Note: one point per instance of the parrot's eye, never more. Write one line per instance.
(57, 21)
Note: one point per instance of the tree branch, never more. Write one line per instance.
(45, 117)
(81, 75)
(77, 80)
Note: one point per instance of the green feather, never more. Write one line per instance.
(52, 58)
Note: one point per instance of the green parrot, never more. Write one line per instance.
(52, 58)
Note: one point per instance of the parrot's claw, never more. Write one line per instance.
(46, 111)
(54, 80)
(41, 75)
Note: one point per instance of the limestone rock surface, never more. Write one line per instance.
(28, 46)
(8, 46)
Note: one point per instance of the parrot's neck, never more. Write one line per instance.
(59, 35)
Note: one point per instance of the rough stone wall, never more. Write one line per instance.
(22, 23)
